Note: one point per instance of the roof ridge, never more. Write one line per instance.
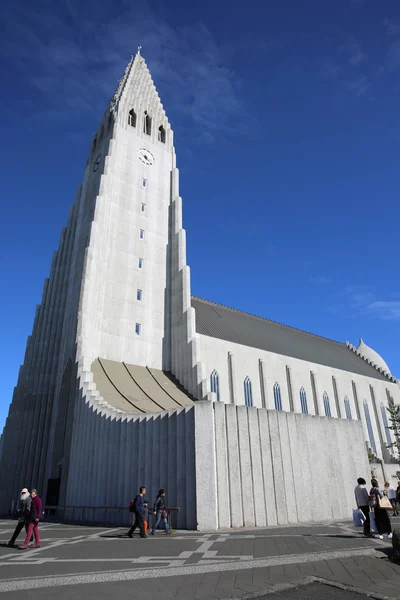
(269, 320)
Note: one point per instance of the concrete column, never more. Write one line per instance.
(356, 401)
(190, 483)
(289, 388)
(301, 465)
(223, 492)
(269, 481)
(245, 467)
(206, 485)
(231, 375)
(284, 419)
(234, 474)
(318, 402)
(316, 509)
(277, 464)
(256, 467)
(181, 466)
(336, 396)
(263, 383)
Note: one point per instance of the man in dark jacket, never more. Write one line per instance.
(140, 512)
(23, 512)
(33, 521)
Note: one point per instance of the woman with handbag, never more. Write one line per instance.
(377, 501)
(161, 512)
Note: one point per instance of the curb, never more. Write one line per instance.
(351, 588)
(281, 587)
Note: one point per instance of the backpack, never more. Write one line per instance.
(132, 505)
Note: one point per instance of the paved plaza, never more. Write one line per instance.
(83, 562)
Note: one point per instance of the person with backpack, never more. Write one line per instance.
(161, 512)
(137, 506)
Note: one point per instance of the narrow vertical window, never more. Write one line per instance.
(161, 134)
(143, 207)
(327, 405)
(101, 132)
(110, 118)
(138, 328)
(277, 396)
(214, 383)
(132, 118)
(248, 393)
(369, 427)
(386, 426)
(147, 123)
(139, 295)
(94, 143)
(140, 263)
(144, 182)
(303, 401)
(141, 234)
(347, 408)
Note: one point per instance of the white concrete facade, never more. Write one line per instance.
(234, 362)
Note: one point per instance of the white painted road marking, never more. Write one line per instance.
(115, 576)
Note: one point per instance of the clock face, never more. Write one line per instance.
(96, 163)
(146, 156)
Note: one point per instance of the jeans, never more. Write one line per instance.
(32, 528)
(139, 522)
(18, 529)
(158, 519)
(367, 524)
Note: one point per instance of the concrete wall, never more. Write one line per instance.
(237, 362)
(113, 455)
(256, 467)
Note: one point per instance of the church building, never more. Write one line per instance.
(129, 380)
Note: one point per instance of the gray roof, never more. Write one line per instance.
(232, 325)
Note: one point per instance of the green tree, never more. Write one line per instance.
(394, 418)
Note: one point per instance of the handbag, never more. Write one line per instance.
(385, 503)
(358, 517)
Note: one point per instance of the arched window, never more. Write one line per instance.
(110, 120)
(369, 427)
(303, 401)
(214, 383)
(132, 118)
(277, 396)
(101, 132)
(327, 405)
(161, 134)
(248, 394)
(386, 425)
(347, 408)
(147, 123)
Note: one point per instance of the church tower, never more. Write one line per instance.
(118, 291)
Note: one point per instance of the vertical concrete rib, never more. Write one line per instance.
(234, 476)
(223, 493)
(256, 468)
(191, 517)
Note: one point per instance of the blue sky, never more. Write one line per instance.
(287, 136)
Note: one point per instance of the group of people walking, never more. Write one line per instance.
(29, 513)
(139, 507)
(370, 505)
